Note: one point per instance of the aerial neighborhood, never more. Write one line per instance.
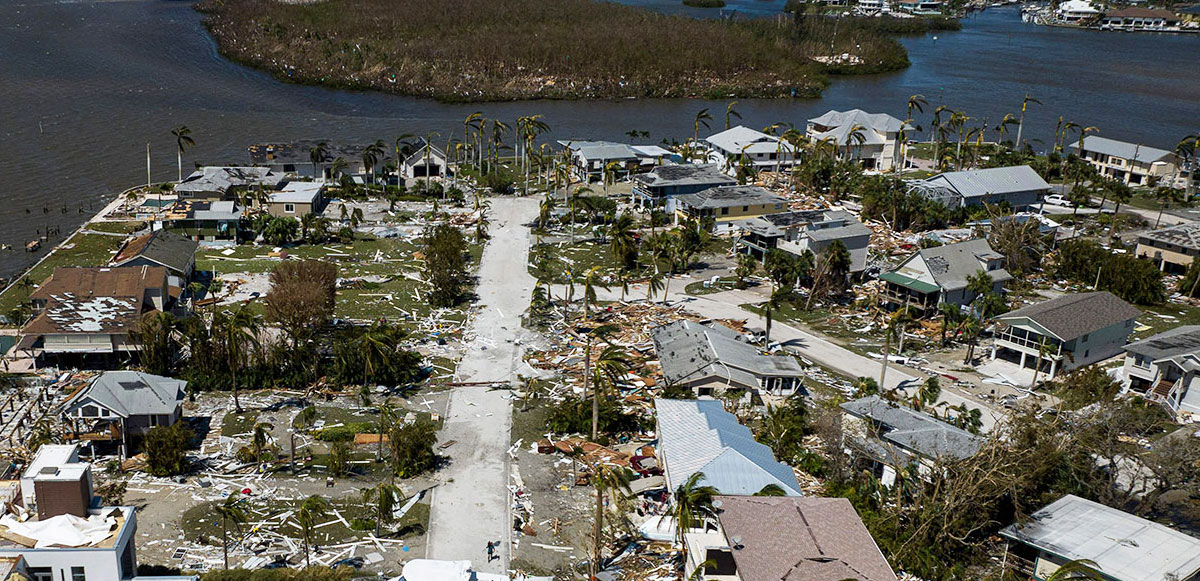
(860, 346)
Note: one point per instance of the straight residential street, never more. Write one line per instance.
(470, 506)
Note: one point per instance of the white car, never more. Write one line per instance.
(1057, 200)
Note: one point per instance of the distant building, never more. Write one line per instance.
(1132, 163)
(890, 437)
(89, 315)
(160, 248)
(119, 405)
(726, 204)
(699, 436)
(660, 186)
(1140, 19)
(210, 223)
(590, 158)
(1165, 368)
(1018, 186)
(803, 230)
(426, 162)
(1173, 248)
(1075, 11)
(1122, 546)
(295, 158)
(938, 275)
(922, 7)
(1069, 332)
(780, 538)
(733, 147)
(295, 199)
(710, 359)
(225, 183)
(872, 139)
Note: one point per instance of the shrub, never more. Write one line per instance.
(166, 449)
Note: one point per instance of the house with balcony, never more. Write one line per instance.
(871, 139)
(1173, 248)
(938, 275)
(825, 540)
(117, 406)
(1132, 163)
(1017, 186)
(659, 187)
(711, 359)
(889, 437)
(727, 204)
(800, 231)
(1119, 545)
(744, 146)
(1065, 333)
(1165, 368)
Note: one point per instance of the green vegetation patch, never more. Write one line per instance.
(202, 521)
(80, 250)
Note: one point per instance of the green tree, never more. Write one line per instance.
(611, 367)
(383, 499)
(783, 428)
(238, 334)
(280, 231)
(166, 449)
(747, 265)
(156, 334)
(318, 154)
(183, 140)
(260, 440)
(302, 297)
(445, 251)
(692, 505)
(339, 458)
(232, 511)
(310, 514)
(622, 241)
(411, 446)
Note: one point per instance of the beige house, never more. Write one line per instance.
(1173, 248)
(1132, 163)
(296, 199)
(727, 204)
(872, 139)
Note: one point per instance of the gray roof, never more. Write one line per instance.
(775, 224)
(600, 150)
(729, 196)
(851, 230)
(220, 179)
(223, 210)
(992, 181)
(685, 175)
(1123, 546)
(700, 436)
(690, 351)
(299, 152)
(297, 193)
(952, 264)
(1186, 235)
(1178, 341)
(841, 122)
(130, 393)
(914, 430)
(1122, 149)
(1075, 315)
(743, 139)
(163, 247)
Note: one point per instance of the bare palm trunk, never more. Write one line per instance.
(887, 346)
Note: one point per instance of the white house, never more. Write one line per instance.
(742, 145)
(1076, 11)
(1132, 163)
(1165, 368)
(426, 161)
(872, 139)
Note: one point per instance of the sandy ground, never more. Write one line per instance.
(471, 506)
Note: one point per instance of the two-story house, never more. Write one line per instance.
(1065, 333)
(872, 139)
(163, 248)
(938, 275)
(727, 204)
(1164, 368)
(1173, 248)
(741, 145)
(1132, 163)
(119, 405)
(658, 187)
(225, 183)
(800, 231)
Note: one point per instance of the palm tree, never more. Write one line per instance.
(232, 511)
(654, 285)
(693, 505)
(318, 154)
(382, 499)
(610, 174)
(935, 130)
(1165, 195)
(471, 122)
(778, 299)
(900, 317)
(622, 242)
(606, 478)
(261, 439)
(338, 166)
(731, 114)
(591, 280)
(1008, 119)
(951, 314)
(611, 366)
(374, 345)
(1076, 570)
(1021, 122)
(239, 335)
(387, 413)
(371, 156)
(856, 138)
(183, 140)
(499, 128)
(312, 510)
(702, 118)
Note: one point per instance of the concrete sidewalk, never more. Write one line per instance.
(470, 506)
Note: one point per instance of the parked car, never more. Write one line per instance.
(1057, 200)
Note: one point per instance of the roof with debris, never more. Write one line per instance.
(1122, 546)
(297, 193)
(992, 181)
(742, 139)
(1123, 149)
(800, 539)
(162, 247)
(916, 431)
(132, 393)
(777, 224)
(300, 152)
(687, 174)
(1186, 235)
(600, 150)
(951, 265)
(1182, 340)
(699, 436)
(1075, 315)
(94, 300)
(221, 178)
(689, 351)
(730, 196)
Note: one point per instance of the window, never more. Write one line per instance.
(41, 573)
(289, 208)
(745, 208)
(1085, 353)
(1084, 339)
(724, 211)
(90, 411)
(77, 574)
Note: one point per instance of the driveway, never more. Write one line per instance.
(470, 506)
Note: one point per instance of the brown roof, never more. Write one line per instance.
(1138, 12)
(101, 282)
(94, 300)
(792, 538)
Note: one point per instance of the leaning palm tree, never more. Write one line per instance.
(591, 280)
(231, 511)
(693, 504)
(702, 118)
(371, 155)
(183, 140)
(312, 510)
(338, 167)
(730, 114)
(607, 478)
(383, 499)
(611, 367)
(1021, 122)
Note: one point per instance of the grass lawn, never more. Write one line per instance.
(830, 325)
(235, 423)
(122, 227)
(723, 284)
(81, 250)
(1163, 318)
(575, 258)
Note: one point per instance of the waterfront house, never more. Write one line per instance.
(741, 145)
(295, 199)
(804, 230)
(426, 162)
(1018, 186)
(933, 276)
(1136, 18)
(1076, 11)
(589, 159)
(225, 183)
(658, 187)
(871, 139)
(88, 315)
(890, 437)
(210, 223)
(1065, 333)
(1164, 368)
(1120, 546)
(784, 538)
(119, 405)
(699, 436)
(922, 7)
(1173, 248)
(1132, 163)
(711, 359)
(295, 158)
(162, 248)
(727, 204)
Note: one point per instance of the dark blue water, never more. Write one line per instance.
(84, 87)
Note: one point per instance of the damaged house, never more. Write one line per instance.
(88, 316)
(805, 230)
(215, 183)
(938, 275)
(1164, 369)
(659, 186)
(162, 248)
(891, 437)
(711, 359)
(118, 405)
